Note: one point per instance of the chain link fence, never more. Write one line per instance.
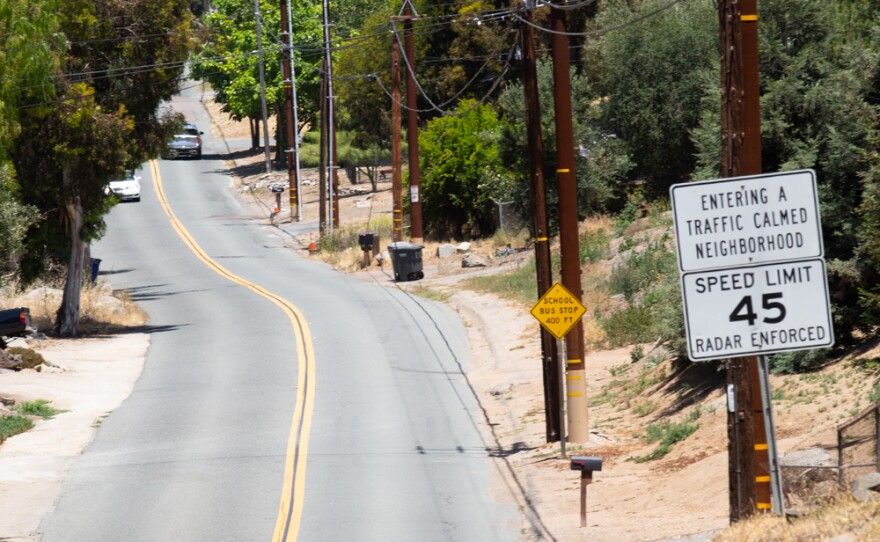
(857, 450)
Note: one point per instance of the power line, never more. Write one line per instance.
(439, 23)
(601, 31)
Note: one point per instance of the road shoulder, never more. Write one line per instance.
(96, 375)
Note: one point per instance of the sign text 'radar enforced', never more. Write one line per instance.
(747, 220)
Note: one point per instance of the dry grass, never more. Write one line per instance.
(842, 515)
(96, 316)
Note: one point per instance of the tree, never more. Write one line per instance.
(462, 52)
(651, 75)
(76, 147)
(28, 42)
(133, 53)
(603, 160)
(461, 171)
(15, 220)
(126, 58)
(227, 59)
(364, 76)
(28, 45)
(819, 111)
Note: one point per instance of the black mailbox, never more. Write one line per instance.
(277, 188)
(591, 463)
(365, 240)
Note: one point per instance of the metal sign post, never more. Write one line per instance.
(560, 347)
(770, 430)
(558, 311)
(753, 282)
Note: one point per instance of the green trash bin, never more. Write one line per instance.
(406, 260)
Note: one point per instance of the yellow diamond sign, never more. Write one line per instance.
(558, 310)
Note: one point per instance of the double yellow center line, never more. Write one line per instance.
(292, 493)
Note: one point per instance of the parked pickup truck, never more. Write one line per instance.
(14, 323)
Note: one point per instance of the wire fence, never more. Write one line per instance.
(858, 452)
(816, 474)
(508, 217)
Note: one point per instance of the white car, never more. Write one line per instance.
(127, 189)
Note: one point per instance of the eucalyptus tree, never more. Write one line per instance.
(118, 63)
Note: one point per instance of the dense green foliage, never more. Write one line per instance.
(603, 161)
(13, 425)
(228, 58)
(651, 74)
(79, 102)
(15, 220)
(461, 172)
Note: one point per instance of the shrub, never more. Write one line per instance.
(461, 172)
(40, 407)
(13, 425)
(643, 269)
(636, 353)
(667, 434)
(801, 361)
(648, 280)
(29, 358)
(593, 246)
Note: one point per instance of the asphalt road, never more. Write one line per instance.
(231, 433)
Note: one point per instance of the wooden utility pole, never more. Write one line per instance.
(412, 128)
(258, 19)
(741, 155)
(334, 177)
(568, 226)
(396, 173)
(549, 355)
(295, 190)
(292, 150)
(331, 121)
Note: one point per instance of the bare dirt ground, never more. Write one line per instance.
(679, 494)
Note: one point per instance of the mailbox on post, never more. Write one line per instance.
(587, 465)
(277, 189)
(366, 240)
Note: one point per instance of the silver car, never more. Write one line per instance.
(188, 143)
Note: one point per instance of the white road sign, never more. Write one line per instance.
(757, 310)
(747, 220)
